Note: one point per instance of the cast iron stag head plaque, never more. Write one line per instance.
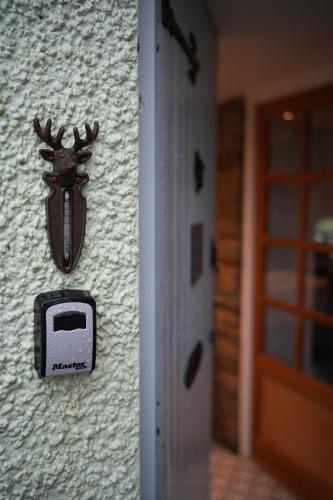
(65, 205)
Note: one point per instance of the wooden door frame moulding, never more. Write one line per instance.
(284, 87)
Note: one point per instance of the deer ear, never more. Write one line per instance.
(83, 157)
(47, 154)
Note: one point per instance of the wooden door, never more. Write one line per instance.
(185, 165)
(293, 385)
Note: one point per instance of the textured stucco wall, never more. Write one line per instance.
(74, 61)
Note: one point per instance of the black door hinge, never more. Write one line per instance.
(213, 255)
(199, 170)
(189, 47)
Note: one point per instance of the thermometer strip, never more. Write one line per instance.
(67, 227)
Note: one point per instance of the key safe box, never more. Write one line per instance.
(65, 333)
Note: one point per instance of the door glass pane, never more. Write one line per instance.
(284, 142)
(282, 209)
(317, 350)
(280, 273)
(320, 211)
(321, 143)
(279, 334)
(318, 282)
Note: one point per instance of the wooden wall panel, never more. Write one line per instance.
(228, 229)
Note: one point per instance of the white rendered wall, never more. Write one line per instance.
(76, 436)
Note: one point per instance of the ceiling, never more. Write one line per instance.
(261, 41)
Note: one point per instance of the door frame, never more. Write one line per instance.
(147, 246)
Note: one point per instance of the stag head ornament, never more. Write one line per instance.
(65, 205)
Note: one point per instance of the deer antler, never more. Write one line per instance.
(91, 135)
(45, 134)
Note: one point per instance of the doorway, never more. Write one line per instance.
(177, 129)
(293, 358)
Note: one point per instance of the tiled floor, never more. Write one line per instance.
(235, 478)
